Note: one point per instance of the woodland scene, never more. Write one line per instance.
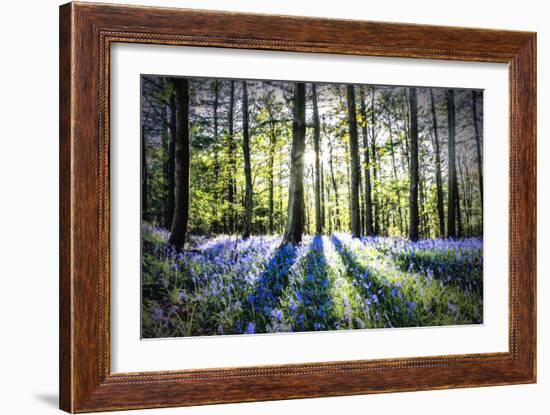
(282, 206)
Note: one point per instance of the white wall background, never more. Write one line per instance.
(29, 206)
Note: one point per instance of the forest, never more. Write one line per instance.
(278, 206)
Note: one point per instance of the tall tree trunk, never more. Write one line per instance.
(271, 180)
(355, 223)
(406, 127)
(295, 217)
(375, 197)
(335, 187)
(281, 225)
(171, 170)
(463, 174)
(367, 193)
(181, 208)
(452, 190)
(458, 200)
(438, 180)
(247, 225)
(323, 196)
(329, 216)
(413, 171)
(215, 222)
(396, 178)
(231, 185)
(423, 197)
(144, 195)
(317, 178)
(478, 145)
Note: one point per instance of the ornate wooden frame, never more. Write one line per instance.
(86, 33)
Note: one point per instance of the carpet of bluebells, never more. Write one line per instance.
(226, 285)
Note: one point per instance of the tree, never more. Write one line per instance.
(181, 208)
(367, 193)
(144, 187)
(387, 108)
(334, 184)
(438, 180)
(247, 225)
(355, 223)
(295, 216)
(171, 170)
(413, 183)
(452, 188)
(231, 185)
(376, 207)
(317, 145)
(216, 164)
(478, 144)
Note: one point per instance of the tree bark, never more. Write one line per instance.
(247, 225)
(216, 167)
(478, 145)
(375, 197)
(413, 167)
(144, 196)
(231, 185)
(181, 208)
(271, 180)
(367, 193)
(355, 223)
(317, 178)
(395, 176)
(452, 187)
(295, 217)
(438, 180)
(171, 170)
(335, 187)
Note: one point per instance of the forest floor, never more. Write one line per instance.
(226, 285)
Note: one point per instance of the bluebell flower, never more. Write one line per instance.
(277, 314)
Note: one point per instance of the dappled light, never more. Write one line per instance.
(228, 285)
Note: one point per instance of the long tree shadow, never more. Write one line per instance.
(308, 299)
(385, 300)
(268, 290)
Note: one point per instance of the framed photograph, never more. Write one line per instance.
(258, 207)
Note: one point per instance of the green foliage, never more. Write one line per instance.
(229, 286)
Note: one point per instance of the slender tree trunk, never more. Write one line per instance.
(452, 190)
(323, 196)
(406, 127)
(369, 230)
(413, 182)
(247, 226)
(375, 197)
(317, 178)
(181, 209)
(355, 223)
(171, 170)
(329, 208)
(295, 217)
(478, 145)
(144, 193)
(215, 222)
(438, 180)
(424, 219)
(458, 199)
(337, 225)
(281, 224)
(231, 186)
(396, 178)
(463, 174)
(271, 180)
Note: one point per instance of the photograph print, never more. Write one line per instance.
(281, 206)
